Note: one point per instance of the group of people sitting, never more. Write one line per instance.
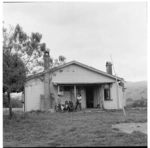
(68, 106)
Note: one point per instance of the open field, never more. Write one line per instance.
(72, 129)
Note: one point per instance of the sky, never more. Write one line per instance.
(89, 32)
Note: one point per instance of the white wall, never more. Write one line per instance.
(121, 100)
(112, 104)
(66, 97)
(77, 74)
(33, 89)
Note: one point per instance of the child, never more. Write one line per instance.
(70, 106)
(66, 106)
(79, 101)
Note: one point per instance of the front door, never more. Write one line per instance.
(89, 97)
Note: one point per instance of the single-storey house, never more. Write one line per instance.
(97, 88)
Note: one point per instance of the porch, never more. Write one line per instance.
(93, 95)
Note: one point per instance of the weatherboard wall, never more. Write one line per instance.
(33, 90)
(73, 74)
(113, 103)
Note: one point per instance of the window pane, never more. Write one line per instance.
(107, 94)
(68, 88)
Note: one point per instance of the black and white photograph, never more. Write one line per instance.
(74, 74)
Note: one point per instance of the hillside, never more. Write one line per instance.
(136, 90)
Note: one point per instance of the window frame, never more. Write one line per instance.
(67, 88)
(107, 89)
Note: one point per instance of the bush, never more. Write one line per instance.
(5, 101)
(139, 103)
(16, 103)
(129, 100)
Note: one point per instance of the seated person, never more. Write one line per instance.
(66, 106)
(56, 107)
(62, 107)
(70, 106)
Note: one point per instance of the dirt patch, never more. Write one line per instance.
(131, 127)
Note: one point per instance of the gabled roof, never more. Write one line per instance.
(77, 63)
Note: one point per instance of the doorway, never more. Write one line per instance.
(89, 97)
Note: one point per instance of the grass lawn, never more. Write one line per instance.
(72, 129)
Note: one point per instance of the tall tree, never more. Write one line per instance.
(28, 48)
(22, 56)
(14, 75)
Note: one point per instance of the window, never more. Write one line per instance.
(107, 93)
(68, 88)
(61, 88)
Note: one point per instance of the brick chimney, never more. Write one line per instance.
(109, 68)
(46, 60)
(46, 103)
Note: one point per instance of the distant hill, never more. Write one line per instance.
(136, 90)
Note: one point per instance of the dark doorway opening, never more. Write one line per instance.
(89, 97)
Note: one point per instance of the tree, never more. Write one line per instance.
(129, 100)
(14, 75)
(28, 48)
(60, 61)
(22, 56)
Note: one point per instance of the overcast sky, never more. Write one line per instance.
(89, 32)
